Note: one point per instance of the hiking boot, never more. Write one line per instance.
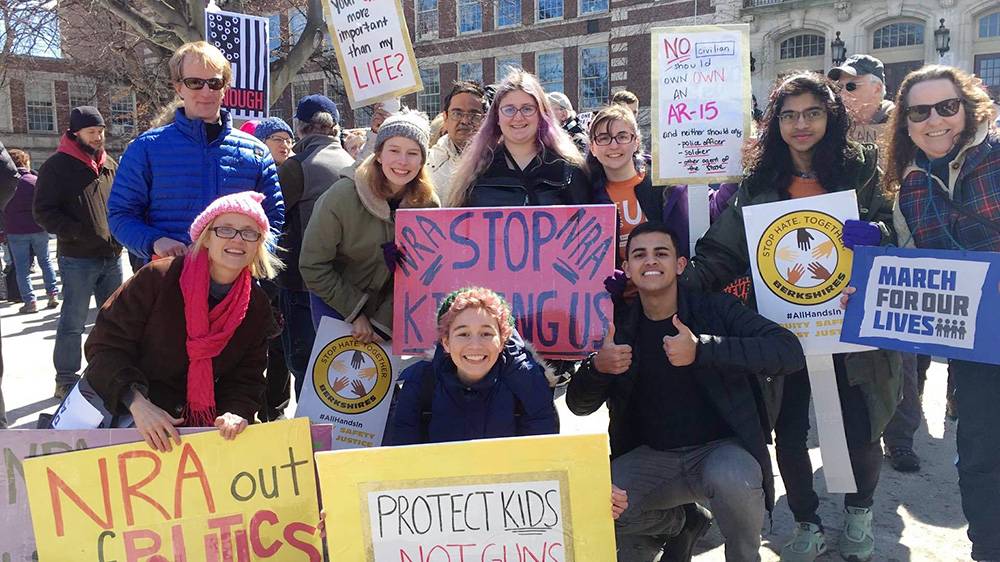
(680, 547)
(28, 308)
(53, 301)
(903, 459)
(857, 542)
(807, 543)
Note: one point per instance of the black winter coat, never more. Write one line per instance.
(735, 344)
(546, 180)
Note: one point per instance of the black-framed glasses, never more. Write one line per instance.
(509, 111)
(944, 108)
(228, 232)
(623, 137)
(810, 115)
(283, 140)
(199, 83)
(457, 115)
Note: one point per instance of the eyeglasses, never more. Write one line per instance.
(810, 115)
(229, 233)
(509, 111)
(623, 137)
(199, 83)
(944, 108)
(283, 140)
(457, 115)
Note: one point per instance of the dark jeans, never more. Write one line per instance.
(298, 334)
(909, 412)
(977, 390)
(82, 278)
(792, 428)
(23, 246)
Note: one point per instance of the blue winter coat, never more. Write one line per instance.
(485, 410)
(169, 175)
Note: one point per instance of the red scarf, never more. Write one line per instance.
(208, 333)
(69, 146)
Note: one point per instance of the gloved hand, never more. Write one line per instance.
(861, 233)
(616, 283)
(393, 255)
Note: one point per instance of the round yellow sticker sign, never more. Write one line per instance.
(352, 377)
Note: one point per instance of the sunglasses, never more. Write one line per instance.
(851, 86)
(944, 108)
(199, 83)
(229, 233)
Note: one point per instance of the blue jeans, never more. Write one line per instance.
(82, 278)
(977, 391)
(298, 335)
(22, 246)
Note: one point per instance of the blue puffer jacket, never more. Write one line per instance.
(169, 175)
(514, 399)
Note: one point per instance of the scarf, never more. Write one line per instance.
(208, 333)
(69, 146)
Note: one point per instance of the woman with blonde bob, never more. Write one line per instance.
(348, 254)
(184, 341)
(521, 155)
(481, 383)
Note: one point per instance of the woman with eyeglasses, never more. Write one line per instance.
(184, 341)
(278, 137)
(802, 151)
(944, 166)
(520, 156)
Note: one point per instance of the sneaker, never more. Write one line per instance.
(679, 548)
(857, 542)
(53, 301)
(903, 459)
(28, 308)
(62, 390)
(807, 543)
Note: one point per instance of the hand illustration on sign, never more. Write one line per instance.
(787, 254)
(818, 271)
(795, 273)
(823, 250)
(804, 238)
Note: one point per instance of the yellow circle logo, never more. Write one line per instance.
(802, 258)
(352, 377)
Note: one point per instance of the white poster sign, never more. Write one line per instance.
(800, 266)
(701, 102)
(348, 385)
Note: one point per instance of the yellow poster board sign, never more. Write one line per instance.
(208, 499)
(528, 498)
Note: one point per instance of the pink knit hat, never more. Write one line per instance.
(250, 126)
(245, 203)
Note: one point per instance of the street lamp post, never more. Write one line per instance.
(838, 50)
(942, 39)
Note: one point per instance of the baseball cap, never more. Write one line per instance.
(858, 65)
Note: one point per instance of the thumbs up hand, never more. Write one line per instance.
(681, 349)
(613, 359)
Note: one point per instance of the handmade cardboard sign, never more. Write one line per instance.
(701, 102)
(208, 499)
(936, 302)
(548, 262)
(529, 498)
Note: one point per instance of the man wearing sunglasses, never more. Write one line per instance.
(464, 107)
(170, 174)
(862, 83)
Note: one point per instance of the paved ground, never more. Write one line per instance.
(918, 516)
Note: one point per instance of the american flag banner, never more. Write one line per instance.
(243, 40)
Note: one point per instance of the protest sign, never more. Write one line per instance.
(800, 266)
(548, 262)
(701, 102)
(373, 47)
(529, 498)
(208, 499)
(349, 385)
(936, 302)
(243, 40)
(872, 134)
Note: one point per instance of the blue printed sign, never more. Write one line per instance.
(936, 302)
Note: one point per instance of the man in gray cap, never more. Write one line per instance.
(862, 82)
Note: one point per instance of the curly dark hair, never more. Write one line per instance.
(768, 154)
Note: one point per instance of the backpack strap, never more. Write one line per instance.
(427, 383)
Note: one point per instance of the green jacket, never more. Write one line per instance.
(341, 260)
(721, 256)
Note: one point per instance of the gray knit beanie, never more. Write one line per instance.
(408, 124)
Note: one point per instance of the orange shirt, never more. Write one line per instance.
(804, 187)
(629, 212)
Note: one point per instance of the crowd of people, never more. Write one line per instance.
(247, 237)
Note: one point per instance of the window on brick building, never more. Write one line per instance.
(123, 114)
(470, 16)
(427, 19)
(550, 70)
(363, 116)
(5, 120)
(801, 46)
(471, 71)
(508, 13)
(299, 91)
(594, 78)
(82, 93)
(429, 100)
(593, 6)
(505, 65)
(39, 101)
(549, 10)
